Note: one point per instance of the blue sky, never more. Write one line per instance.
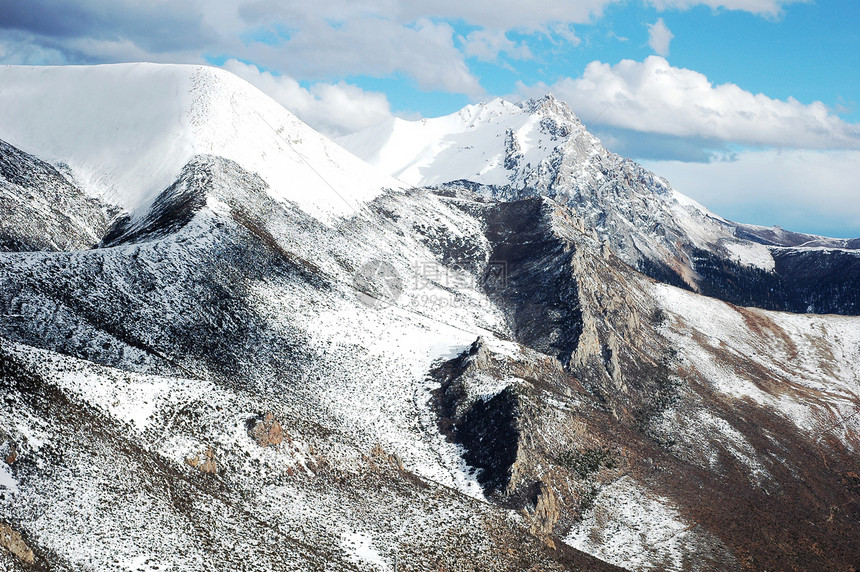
(752, 107)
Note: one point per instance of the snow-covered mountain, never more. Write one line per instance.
(540, 148)
(125, 134)
(247, 374)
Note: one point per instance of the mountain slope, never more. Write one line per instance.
(42, 210)
(539, 147)
(439, 379)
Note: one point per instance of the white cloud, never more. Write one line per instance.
(486, 45)
(771, 8)
(659, 36)
(654, 97)
(311, 40)
(333, 109)
(802, 190)
(20, 49)
(493, 14)
(320, 49)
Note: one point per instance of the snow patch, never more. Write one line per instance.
(360, 549)
(633, 529)
(751, 254)
(7, 480)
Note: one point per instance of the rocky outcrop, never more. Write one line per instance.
(487, 426)
(12, 541)
(546, 511)
(171, 210)
(266, 430)
(538, 293)
(205, 463)
(43, 210)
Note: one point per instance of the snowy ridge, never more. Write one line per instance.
(463, 145)
(127, 130)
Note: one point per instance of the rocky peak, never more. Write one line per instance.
(549, 106)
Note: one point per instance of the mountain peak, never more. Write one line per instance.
(486, 111)
(549, 106)
(492, 143)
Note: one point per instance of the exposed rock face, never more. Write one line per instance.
(487, 428)
(546, 511)
(11, 540)
(538, 294)
(489, 433)
(266, 431)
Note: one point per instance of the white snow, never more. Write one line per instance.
(751, 254)
(464, 145)
(361, 550)
(7, 480)
(388, 395)
(126, 131)
(813, 360)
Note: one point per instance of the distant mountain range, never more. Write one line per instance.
(476, 342)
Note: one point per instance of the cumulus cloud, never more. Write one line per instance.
(770, 8)
(802, 190)
(333, 109)
(659, 36)
(654, 97)
(154, 26)
(20, 49)
(486, 45)
(491, 14)
(311, 40)
(319, 49)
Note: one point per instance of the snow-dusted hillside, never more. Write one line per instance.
(127, 130)
(438, 378)
(42, 210)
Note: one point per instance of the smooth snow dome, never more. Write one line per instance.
(126, 131)
(444, 149)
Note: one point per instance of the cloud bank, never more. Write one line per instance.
(312, 40)
(812, 191)
(654, 97)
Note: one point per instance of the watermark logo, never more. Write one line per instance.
(496, 276)
(431, 283)
(377, 284)
(461, 275)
